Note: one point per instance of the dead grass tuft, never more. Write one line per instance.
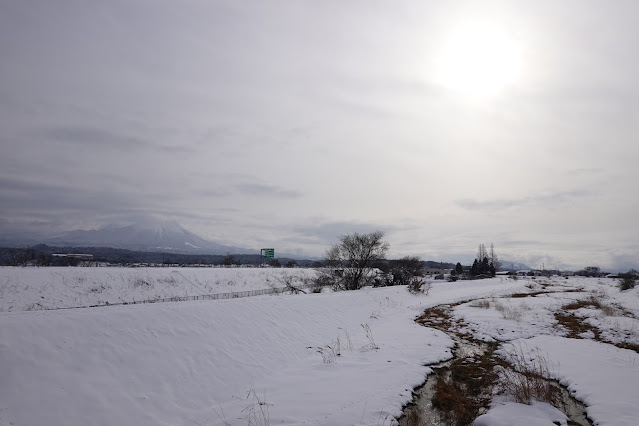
(593, 302)
(438, 317)
(515, 313)
(483, 304)
(575, 326)
(527, 378)
(256, 413)
(455, 406)
(414, 418)
(464, 389)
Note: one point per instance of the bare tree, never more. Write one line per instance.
(351, 260)
(405, 269)
(229, 260)
(275, 263)
(592, 271)
(481, 253)
(493, 259)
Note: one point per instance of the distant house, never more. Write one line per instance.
(74, 255)
(77, 259)
(436, 271)
(567, 274)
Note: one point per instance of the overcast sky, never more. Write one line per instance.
(287, 123)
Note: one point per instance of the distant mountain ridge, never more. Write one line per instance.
(507, 265)
(160, 236)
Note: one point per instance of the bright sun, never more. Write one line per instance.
(479, 61)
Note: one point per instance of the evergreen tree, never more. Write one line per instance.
(474, 270)
(485, 267)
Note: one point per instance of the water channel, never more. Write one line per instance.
(422, 411)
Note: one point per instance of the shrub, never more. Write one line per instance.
(288, 282)
(418, 285)
(628, 280)
(320, 281)
(403, 270)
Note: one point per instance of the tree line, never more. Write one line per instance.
(354, 261)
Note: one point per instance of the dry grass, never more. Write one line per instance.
(455, 406)
(594, 302)
(414, 418)
(591, 302)
(526, 377)
(575, 326)
(438, 317)
(369, 336)
(464, 390)
(256, 413)
(419, 285)
(515, 313)
(610, 311)
(329, 353)
(483, 304)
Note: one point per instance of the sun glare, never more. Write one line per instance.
(479, 61)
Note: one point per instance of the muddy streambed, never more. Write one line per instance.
(460, 389)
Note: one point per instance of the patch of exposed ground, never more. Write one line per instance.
(459, 390)
(575, 326)
(462, 388)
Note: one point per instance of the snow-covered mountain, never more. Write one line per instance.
(507, 265)
(166, 236)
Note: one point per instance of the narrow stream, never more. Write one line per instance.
(422, 412)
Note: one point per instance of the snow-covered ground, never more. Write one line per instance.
(26, 289)
(601, 375)
(235, 361)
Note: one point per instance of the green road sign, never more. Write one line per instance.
(269, 252)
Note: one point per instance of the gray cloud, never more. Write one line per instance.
(95, 138)
(327, 232)
(587, 171)
(294, 124)
(260, 189)
(91, 136)
(545, 200)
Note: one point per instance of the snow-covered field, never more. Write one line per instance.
(273, 359)
(27, 289)
(603, 376)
